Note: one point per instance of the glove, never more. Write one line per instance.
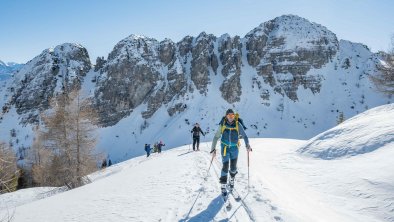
(248, 148)
(213, 151)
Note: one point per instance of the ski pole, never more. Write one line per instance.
(248, 171)
(213, 156)
(191, 134)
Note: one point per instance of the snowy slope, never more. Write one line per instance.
(284, 185)
(361, 134)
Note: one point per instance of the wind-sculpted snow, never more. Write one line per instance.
(361, 134)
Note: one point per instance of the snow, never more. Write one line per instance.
(361, 134)
(284, 185)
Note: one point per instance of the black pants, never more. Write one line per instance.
(232, 164)
(196, 139)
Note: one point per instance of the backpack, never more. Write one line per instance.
(223, 123)
(224, 127)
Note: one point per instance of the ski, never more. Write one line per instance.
(226, 200)
(229, 206)
(235, 195)
(227, 203)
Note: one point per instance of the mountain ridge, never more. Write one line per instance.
(280, 78)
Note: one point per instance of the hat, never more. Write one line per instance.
(229, 111)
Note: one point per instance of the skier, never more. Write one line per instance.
(196, 136)
(159, 146)
(104, 164)
(147, 149)
(229, 131)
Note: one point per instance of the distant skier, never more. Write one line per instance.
(109, 162)
(159, 146)
(147, 149)
(196, 136)
(229, 131)
(104, 164)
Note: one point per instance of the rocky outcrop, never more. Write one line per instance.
(127, 78)
(203, 58)
(230, 54)
(55, 70)
(167, 51)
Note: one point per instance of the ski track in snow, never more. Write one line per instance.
(176, 186)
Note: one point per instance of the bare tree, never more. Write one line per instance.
(66, 142)
(40, 159)
(8, 169)
(384, 79)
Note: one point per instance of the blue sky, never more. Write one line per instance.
(30, 26)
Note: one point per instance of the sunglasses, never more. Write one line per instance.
(230, 115)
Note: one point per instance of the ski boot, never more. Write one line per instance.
(231, 184)
(224, 191)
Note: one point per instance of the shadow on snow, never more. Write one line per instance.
(208, 214)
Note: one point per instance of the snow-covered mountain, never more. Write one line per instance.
(8, 69)
(285, 185)
(288, 78)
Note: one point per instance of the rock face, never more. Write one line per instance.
(143, 71)
(203, 58)
(230, 51)
(283, 50)
(55, 70)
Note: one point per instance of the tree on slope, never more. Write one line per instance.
(64, 150)
(8, 169)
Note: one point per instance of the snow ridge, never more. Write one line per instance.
(360, 134)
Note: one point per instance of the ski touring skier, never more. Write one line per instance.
(159, 146)
(147, 149)
(196, 136)
(230, 132)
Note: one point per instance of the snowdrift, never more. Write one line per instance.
(361, 134)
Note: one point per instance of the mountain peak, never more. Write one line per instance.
(295, 31)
